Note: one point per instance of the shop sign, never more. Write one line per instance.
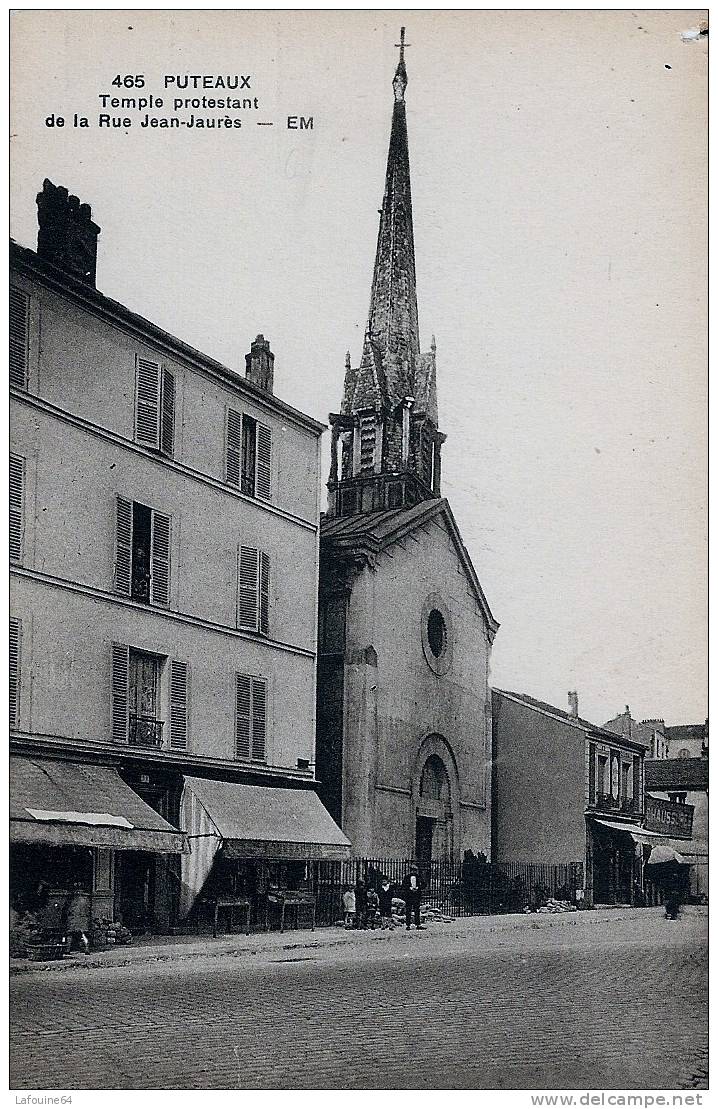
(669, 817)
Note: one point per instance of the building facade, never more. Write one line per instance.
(405, 631)
(568, 791)
(680, 785)
(164, 565)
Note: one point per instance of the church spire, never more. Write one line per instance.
(386, 441)
(393, 314)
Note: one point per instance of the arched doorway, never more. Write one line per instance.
(434, 815)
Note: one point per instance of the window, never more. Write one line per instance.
(155, 406)
(142, 553)
(253, 590)
(684, 753)
(436, 633)
(19, 316)
(248, 455)
(14, 684)
(250, 732)
(141, 684)
(367, 443)
(602, 776)
(17, 497)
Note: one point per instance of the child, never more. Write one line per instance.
(372, 908)
(385, 906)
(350, 907)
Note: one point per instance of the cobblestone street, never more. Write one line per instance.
(548, 1003)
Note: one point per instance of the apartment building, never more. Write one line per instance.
(164, 563)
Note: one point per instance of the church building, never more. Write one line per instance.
(405, 631)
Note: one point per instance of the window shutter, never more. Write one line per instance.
(14, 686)
(264, 462)
(367, 443)
(592, 773)
(259, 718)
(18, 337)
(247, 609)
(17, 496)
(120, 691)
(243, 717)
(263, 593)
(233, 445)
(178, 705)
(167, 430)
(123, 546)
(160, 567)
(147, 403)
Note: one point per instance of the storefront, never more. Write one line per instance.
(616, 856)
(70, 823)
(255, 845)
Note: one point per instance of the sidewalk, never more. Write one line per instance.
(158, 949)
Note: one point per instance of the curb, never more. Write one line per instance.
(509, 923)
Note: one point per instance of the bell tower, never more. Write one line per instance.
(386, 443)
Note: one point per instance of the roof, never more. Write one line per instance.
(24, 260)
(574, 721)
(679, 732)
(57, 802)
(677, 774)
(372, 532)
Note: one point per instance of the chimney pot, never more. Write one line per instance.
(260, 364)
(573, 702)
(66, 237)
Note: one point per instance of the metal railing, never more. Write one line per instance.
(145, 731)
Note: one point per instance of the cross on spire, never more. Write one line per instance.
(400, 45)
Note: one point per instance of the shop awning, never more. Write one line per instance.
(638, 835)
(76, 804)
(267, 822)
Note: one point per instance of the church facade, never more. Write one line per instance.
(405, 631)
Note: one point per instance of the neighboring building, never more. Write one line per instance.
(687, 741)
(164, 550)
(682, 784)
(568, 791)
(405, 633)
(651, 733)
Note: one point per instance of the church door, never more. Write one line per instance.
(424, 838)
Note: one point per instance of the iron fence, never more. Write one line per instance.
(468, 888)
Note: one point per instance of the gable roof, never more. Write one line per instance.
(678, 732)
(561, 714)
(372, 532)
(679, 774)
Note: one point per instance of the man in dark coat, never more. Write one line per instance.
(411, 888)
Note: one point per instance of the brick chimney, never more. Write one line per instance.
(67, 237)
(260, 364)
(573, 702)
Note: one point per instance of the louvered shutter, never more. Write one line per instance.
(19, 315)
(17, 496)
(263, 483)
(167, 430)
(264, 593)
(120, 691)
(123, 546)
(14, 684)
(247, 607)
(178, 705)
(259, 718)
(592, 773)
(233, 447)
(147, 403)
(243, 717)
(160, 568)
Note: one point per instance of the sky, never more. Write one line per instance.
(558, 165)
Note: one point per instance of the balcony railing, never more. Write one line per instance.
(145, 731)
(607, 803)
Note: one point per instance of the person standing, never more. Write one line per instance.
(411, 888)
(385, 903)
(360, 892)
